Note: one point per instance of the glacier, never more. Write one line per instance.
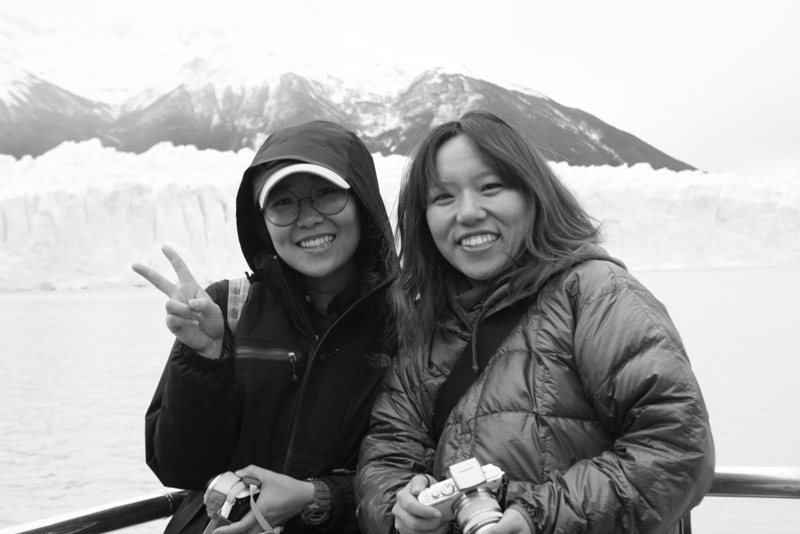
(77, 216)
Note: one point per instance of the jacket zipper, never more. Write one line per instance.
(272, 355)
(312, 357)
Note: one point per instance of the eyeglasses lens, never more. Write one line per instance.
(283, 207)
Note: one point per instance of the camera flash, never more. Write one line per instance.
(467, 474)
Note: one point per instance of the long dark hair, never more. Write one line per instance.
(558, 223)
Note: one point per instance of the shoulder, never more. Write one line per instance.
(590, 276)
(218, 290)
(597, 280)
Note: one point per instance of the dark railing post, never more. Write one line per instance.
(114, 516)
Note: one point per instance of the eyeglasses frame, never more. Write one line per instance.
(300, 204)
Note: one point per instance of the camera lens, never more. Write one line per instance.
(476, 511)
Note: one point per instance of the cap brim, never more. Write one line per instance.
(310, 168)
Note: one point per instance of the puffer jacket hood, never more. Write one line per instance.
(331, 146)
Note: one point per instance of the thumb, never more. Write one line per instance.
(419, 483)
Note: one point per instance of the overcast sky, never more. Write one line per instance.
(713, 83)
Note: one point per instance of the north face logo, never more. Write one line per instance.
(377, 359)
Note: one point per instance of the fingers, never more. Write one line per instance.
(243, 525)
(413, 516)
(418, 484)
(184, 275)
(180, 314)
(160, 283)
(251, 472)
(512, 522)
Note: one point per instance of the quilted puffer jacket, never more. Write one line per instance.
(589, 406)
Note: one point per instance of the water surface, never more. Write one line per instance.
(79, 368)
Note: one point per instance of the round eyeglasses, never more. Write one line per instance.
(282, 208)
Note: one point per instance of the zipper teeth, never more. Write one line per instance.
(293, 361)
(311, 358)
(267, 354)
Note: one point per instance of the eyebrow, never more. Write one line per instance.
(485, 174)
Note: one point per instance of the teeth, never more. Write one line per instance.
(316, 243)
(478, 240)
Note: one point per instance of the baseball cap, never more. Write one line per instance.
(283, 172)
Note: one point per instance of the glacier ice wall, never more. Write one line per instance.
(79, 215)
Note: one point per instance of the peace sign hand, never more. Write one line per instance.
(192, 316)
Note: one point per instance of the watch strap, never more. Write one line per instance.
(318, 510)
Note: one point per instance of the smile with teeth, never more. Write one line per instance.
(317, 242)
(478, 240)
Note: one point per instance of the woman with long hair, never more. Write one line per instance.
(526, 347)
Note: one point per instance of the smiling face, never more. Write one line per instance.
(477, 222)
(318, 246)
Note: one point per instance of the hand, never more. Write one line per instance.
(281, 498)
(411, 516)
(512, 522)
(192, 316)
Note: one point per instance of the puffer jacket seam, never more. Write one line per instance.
(539, 379)
(662, 337)
(643, 493)
(491, 413)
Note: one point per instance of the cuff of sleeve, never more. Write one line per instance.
(527, 511)
(319, 510)
(194, 359)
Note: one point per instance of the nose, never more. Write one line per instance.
(470, 209)
(308, 216)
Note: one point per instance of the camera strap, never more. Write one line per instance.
(257, 513)
(493, 330)
(220, 498)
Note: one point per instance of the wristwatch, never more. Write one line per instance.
(318, 510)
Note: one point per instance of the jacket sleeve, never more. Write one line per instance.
(192, 423)
(637, 375)
(342, 517)
(396, 448)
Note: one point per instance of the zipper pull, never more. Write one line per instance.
(292, 361)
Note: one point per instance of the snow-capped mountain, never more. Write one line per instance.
(36, 115)
(237, 86)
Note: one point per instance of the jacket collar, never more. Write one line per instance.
(497, 299)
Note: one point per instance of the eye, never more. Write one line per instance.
(439, 198)
(280, 200)
(493, 187)
(327, 190)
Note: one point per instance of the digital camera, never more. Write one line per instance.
(227, 499)
(468, 496)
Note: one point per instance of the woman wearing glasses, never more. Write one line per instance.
(284, 399)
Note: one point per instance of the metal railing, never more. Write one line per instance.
(108, 517)
(767, 482)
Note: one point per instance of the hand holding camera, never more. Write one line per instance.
(228, 498)
(467, 496)
(274, 499)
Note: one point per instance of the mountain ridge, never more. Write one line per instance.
(42, 115)
(228, 88)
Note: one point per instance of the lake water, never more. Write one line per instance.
(79, 368)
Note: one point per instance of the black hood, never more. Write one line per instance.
(329, 145)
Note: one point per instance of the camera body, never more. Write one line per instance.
(467, 496)
(227, 498)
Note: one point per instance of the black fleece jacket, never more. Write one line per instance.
(282, 396)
